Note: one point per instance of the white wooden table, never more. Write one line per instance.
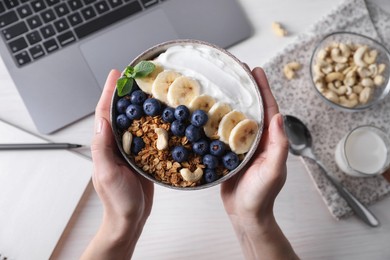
(193, 225)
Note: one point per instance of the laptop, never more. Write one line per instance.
(59, 52)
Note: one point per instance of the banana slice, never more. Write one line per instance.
(146, 83)
(182, 91)
(162, 83)
(228, 122)
(204, 102)
(216, 112)
(243, 135)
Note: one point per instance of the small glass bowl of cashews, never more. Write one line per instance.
(350, 71)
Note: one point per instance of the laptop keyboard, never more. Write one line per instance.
(34, 29)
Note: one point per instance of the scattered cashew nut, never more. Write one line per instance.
(290, 68)
(127, 139)
(278, 29)
(191, 176)
(162, 138)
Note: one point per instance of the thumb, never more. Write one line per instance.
(102, 147)
(278, 146)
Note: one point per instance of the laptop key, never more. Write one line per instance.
(75, 4)
(50, 45)
(107, 19)
(61, 25)
(34, 22)
(52, 2)
(48, 16)
(24, 11)
(61, 9)
(2, 8)
(88, 13)
(66, 38)
(38, 5)
(18, 44)
(115, 3)
(33, 37)
(11, 3)
(15, 30)
(101, 7)
(75, 19)
(8, 18)
(36, 52)
(22, 58)
(47, 31)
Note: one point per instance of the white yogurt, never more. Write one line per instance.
(218, 74)
(363, 152)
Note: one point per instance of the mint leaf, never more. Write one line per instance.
(124, 86)
(143, 68)
(129, 72)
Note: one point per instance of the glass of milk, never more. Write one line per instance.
(363, 152)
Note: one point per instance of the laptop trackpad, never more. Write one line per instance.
(116, 48)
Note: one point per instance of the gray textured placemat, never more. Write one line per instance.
(297, 97)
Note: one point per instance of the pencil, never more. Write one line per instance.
(38, 146)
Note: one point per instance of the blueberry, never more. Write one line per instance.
(230, 161)
(217, 148)
(210, 161)
(152, 107)
(193, 133)
(122, 121)
(178, 128)
(180, 153)
(201, 147)
(137, 145)
(199, 118)
(210, 175)
(182, 113)
(134, 112)
(168, 114)
(138, 97)
(122, 104)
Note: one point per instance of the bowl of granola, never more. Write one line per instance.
(350, 71)
(187, 114)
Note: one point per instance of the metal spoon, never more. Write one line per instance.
(300, 144)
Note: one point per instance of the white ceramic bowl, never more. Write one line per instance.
(151, 54)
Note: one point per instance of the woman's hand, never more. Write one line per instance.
(127, 197)
(249, 196)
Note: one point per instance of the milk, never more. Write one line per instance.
(363, 152)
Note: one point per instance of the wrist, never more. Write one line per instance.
(262, 238)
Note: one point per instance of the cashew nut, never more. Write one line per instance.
(381, 68)
(350, 101)
(357, 89)
(367, 82)
(322, 54)
(373, 68)
(365, 95)
(336, 56)
(379, 80)
(345, 50)
(334, 76)
(127, 139)
(358, 56)
(330, 95)
(162, 138)
(364, 72)
(370, 56)
(278, 29)
(191, 176)
(290, 68)
(339, 91)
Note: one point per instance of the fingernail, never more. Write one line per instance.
(99, 126)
